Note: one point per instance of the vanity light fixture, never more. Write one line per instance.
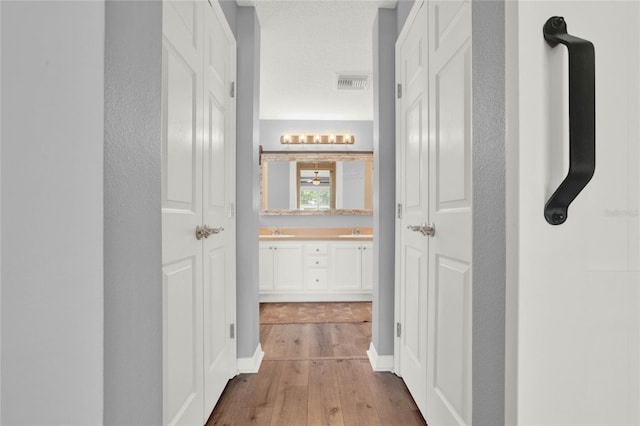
(345, 139)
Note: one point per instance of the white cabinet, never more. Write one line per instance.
(353, 267)
(315, 271)
(316, 266)
(280, 266)
(266, 268)
(367, 266)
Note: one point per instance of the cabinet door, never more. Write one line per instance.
(367, 266)
(346, 265)
(288, 266)
(265, 260)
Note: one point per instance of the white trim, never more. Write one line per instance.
(316, 297)
(251, 364)
(379, 362)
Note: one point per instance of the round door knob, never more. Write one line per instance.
(317, 263)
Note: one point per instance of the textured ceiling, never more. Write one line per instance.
(304, 45)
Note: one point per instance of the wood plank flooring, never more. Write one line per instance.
(316, 374)
(296, 313)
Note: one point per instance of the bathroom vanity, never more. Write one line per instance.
(315, 264)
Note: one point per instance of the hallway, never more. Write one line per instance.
(316, 373)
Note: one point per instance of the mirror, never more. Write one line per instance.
(314, 183)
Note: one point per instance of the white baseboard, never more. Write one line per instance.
(379, 362)
(315, 297)
(251, 364)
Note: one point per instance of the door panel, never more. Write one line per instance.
(413, 340)
(181, 143)
(412, 153)
(219, 198)
(449, 322)
(198, 188)
(451, 328)
(181, 213)
(182, 343)
(453, 141)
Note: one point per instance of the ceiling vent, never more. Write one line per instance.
(352, 82)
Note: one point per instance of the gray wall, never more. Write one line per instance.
(489, 252)
(403, 7)
(270, 131)
(52, 212)
(247, 185)
(132, 222)
(384, 165)
(230, 10)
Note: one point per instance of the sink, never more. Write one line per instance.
(356, 236)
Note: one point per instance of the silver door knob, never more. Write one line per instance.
(206, 231)
(424, 229)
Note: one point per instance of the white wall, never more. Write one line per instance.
(52, 212)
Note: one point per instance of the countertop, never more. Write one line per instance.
(315, 234)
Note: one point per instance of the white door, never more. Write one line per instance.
(198, 188)
(434, 164)
(573, 289)
(219, 204)
(182, 212)
(413, 195)
(449, 306)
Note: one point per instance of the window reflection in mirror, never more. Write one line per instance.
(343, 183)
(316, 186)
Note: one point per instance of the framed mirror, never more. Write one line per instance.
(316, 183)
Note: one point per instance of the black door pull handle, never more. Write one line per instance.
(582, 118)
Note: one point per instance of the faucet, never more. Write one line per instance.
(275, 231)
(355, 231)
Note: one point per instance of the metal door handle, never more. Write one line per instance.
(206, 231)
(582, 118)
(424, 229)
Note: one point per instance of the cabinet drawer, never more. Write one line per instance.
(315, 278)
(315, 248)
(316, 261)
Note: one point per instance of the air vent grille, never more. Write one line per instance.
(352, 82)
